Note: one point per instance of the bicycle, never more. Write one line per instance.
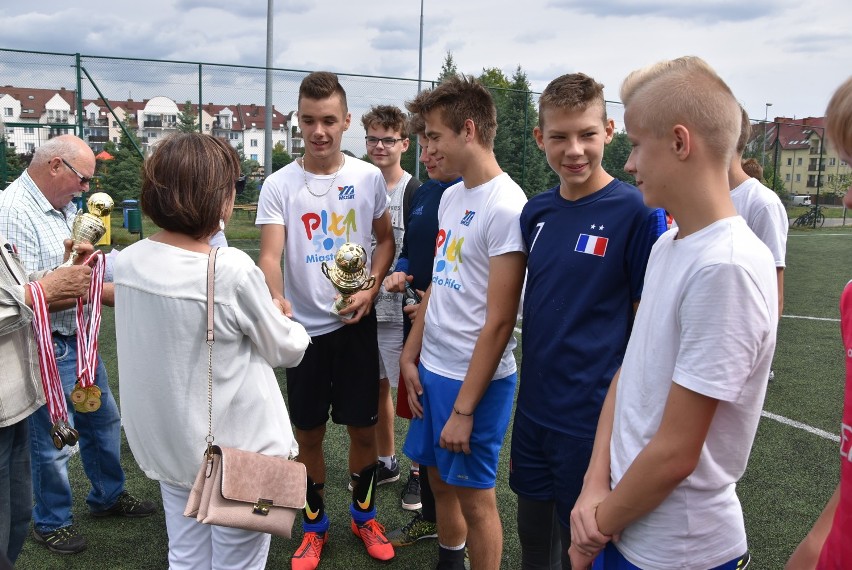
(811, 218)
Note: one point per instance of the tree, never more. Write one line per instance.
(248, 167)
(12, 164)
(280, 157)
(122, 176)
(615, 157)
(514, 144)
(837, 185)
(187, 120)
(448, 68)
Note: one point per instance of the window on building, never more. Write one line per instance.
(254, 157)
(115, 124)
(29, 147)
(787, 178)
(253, 142)
(7, 111)
(799, 176)
(799, 161)
(789, 162)
(29, 130)
(832, 161)
(115, 140)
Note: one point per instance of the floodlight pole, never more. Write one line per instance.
(419, 88)
(267, 126)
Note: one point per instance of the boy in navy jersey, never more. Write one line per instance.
(588, 240)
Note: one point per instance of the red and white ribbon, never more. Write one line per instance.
(89, 325)
(50, 380)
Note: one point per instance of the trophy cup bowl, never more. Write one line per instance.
(348, 275)
(89, 226)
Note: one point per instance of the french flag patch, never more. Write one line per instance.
(593, 245)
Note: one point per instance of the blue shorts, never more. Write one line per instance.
(547, 465)
(479, 469)
(611, 559)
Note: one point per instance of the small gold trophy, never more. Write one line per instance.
(348, 275)
(89, 226)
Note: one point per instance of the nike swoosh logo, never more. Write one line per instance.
(366, 503)
(312, 515)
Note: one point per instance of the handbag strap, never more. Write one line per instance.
(211, 272)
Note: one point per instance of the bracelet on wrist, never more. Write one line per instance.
(456, 410)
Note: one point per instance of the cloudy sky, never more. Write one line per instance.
(790, 53)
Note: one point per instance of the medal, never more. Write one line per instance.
(86, 396)
(78, 395)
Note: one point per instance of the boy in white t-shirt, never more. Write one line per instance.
(678, 422)
(306, 211)
(760, 207)
(462, 393)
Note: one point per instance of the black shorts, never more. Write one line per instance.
(340, 371)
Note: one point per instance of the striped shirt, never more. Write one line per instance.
(37, 229)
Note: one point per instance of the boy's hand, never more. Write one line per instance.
(411, 376)
(580, 561)
(585, 535)
(284, 306)
(360, 305)
(455, 436)
(395, 282)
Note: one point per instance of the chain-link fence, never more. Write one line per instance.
(45, 94)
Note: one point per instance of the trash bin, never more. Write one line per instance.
(134, 221)
(126, 205)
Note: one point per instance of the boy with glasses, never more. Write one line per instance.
(386, 141)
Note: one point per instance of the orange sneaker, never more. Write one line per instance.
(373, 535)
(307, 556)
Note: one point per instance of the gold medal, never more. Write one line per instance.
(78, 395)
(92, 403)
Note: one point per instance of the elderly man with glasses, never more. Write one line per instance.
(36, 213)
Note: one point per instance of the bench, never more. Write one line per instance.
(249, 209)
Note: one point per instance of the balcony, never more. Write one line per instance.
(154, 123)
(813, 168)
(223, 125)
(97, 122)
(98, 138)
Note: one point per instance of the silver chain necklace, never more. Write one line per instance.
(330, 185)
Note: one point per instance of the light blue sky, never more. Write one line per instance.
(789, 53)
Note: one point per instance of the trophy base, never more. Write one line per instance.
(338, 306)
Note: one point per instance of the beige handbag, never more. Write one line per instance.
(243, 489)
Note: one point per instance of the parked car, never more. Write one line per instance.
(801, 200)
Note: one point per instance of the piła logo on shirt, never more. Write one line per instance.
(467, 218)
(346, 192)
(448, 258)
(327, 231)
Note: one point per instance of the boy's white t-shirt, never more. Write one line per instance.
(474, 224)
(707, 322)
(765, 215)
(317, 227)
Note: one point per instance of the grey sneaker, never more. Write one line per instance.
(383, 474)
(65, 540)
(416, 529)
(411, 493)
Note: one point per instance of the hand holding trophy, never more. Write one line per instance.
(89, 226)
(348, 275)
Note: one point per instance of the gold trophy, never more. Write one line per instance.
(348, 275)
(89, 226)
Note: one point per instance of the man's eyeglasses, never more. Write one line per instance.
(83, 179)
(240, 184)
(387, 142)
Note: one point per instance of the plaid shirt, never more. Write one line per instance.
(31, 224)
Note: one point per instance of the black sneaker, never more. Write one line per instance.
(411, 493)
(65, 540)
(383, 474)
(416, 529)
(127, 506)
